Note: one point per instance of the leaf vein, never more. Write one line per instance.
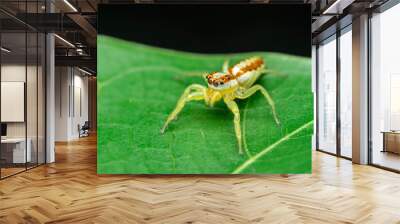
(269, 148)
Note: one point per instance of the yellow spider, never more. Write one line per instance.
(234, 82)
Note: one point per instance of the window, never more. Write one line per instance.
(346, 92)
(385, 88)
(22, 87)
(327, 95)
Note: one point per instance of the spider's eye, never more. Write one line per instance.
(215, 84)
(221, 83)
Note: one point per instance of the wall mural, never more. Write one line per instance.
(204, 89)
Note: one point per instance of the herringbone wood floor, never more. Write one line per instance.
(69, 191)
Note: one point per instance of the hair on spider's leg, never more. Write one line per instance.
(187, 96)
(236, 121)
(249, 92)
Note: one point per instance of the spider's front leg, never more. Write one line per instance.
(225, 66)
(249, 92)
(192, 92)
(236, 121)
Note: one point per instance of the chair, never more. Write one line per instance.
(84, 130)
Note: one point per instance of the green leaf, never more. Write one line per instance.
(138, 87)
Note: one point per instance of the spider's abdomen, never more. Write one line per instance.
(247, 70)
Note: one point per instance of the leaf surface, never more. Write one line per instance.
(138, 87)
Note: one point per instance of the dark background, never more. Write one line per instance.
(212, 28)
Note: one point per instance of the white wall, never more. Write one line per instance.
(80, 110)
(71, 94)
(12, 73)
(62, 82)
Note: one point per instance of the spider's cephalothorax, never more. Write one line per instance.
(219, 85)
(236, 82)
(221, 81)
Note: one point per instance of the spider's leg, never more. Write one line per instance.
(249, 92)
(236, 121)
(225, 66)
(272, 72)
(192, 92)
(204, 76)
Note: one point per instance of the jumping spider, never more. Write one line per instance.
(234, 82)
